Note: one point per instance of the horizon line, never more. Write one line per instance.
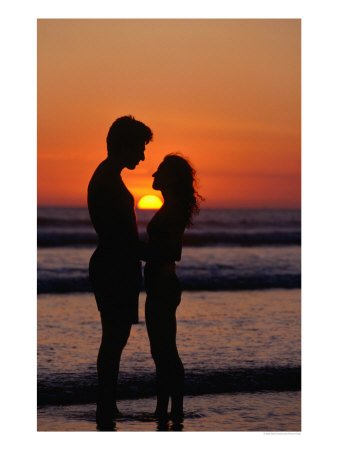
(208, 207)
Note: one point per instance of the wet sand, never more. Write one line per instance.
(261, 411)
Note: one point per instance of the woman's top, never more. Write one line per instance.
(165, 232)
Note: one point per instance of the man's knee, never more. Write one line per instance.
(115, 334)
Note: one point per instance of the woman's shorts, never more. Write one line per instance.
(163, 290)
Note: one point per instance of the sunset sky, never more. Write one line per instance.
(224, 93)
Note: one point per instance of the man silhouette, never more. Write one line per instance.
(114, 268)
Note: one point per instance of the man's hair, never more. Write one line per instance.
(127, 132)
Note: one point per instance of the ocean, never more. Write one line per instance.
(239, 325)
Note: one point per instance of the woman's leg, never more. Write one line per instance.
(161, 327)
(156, 334)
(177, 388)
(176, 370)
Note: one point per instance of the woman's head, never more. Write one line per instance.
(176, 176)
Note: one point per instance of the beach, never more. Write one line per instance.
(239, 327)
(238, 364)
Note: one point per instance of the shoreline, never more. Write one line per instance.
(69, 390)
(272, 411)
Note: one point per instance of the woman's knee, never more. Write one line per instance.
(164, 353)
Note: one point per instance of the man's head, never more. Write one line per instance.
(126, 141)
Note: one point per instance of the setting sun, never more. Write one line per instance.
(230, 86)
(150, 202)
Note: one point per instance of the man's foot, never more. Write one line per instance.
(161, 414)
(105, 415)
(177, 415)
(103, 426)
(161, 411)
(116, 413)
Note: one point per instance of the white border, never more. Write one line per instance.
(18, 188)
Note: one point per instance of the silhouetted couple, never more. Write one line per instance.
(115, 266)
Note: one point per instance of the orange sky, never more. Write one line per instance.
(225, 93)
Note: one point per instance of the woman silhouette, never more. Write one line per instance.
(175, 178)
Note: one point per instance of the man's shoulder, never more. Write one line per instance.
(103, 178)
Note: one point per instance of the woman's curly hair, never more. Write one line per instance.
(185, 184)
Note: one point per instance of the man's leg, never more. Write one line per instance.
(114, 338)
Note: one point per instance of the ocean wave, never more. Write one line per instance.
(195, 239)
(224, 218)
(188, 283)
(72, 388)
